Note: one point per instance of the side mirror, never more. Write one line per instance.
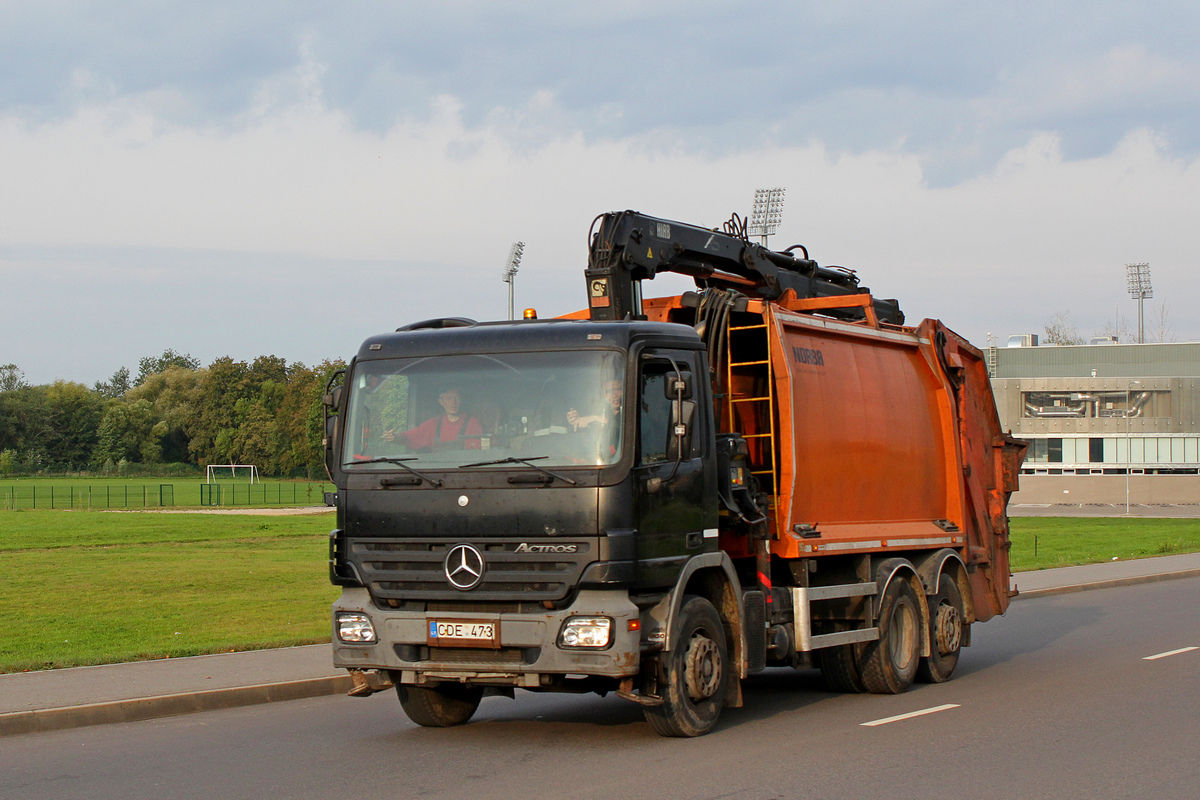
(332, 401)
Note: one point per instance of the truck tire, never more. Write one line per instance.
(889, 664)
(947, 624)
(840, 669)
(439, 706)
(693, 674)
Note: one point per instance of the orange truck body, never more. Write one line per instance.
(885, 439)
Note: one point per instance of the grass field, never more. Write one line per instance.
(1062, 541)
(94, 588)
(101, 587)
(102, 493)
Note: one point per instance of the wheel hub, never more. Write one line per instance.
(902, 636)
(949, 629)
(703, 668)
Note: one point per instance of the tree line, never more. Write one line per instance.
(267, 413)
(1159, 327)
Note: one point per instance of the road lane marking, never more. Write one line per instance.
(909, 715)
(1170, 653)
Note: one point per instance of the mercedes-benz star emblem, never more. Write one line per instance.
(464, 567)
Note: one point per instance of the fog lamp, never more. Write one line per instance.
(355, 628)
(591, 632)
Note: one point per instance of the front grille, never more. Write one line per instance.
(471, 607)
(397, 546)
(415, 570)
(505, 656)
(545, 566)
(466, 655)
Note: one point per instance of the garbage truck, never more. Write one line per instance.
(658, 497)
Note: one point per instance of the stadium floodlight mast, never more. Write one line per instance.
(1138, 278)
(766, 212)
(510, 271)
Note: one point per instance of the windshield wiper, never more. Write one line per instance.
(398, 462)
(526, 462)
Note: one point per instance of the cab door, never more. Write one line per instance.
(673, 504)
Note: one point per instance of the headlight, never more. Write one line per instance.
(355, 628)
(586, 632)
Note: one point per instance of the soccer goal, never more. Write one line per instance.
(210, 472)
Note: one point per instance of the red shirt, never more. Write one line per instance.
(425, 434)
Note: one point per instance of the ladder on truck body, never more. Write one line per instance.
(758, 409)
(755, 407)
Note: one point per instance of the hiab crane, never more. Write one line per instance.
(628, 248)
(659, 497)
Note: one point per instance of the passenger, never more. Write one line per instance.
(448, 431)
(610, 409)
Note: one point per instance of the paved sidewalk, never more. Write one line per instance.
(57, 688)
(1110, 573)
(70, 698)
(1111, 510)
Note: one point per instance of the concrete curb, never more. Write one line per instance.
(1130, 581)
(169, 705)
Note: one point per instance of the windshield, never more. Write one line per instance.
(560, 408)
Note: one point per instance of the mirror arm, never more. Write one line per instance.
(676, 415)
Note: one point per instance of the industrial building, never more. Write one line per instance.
(1106, 422)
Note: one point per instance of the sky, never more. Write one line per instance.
(288, 178)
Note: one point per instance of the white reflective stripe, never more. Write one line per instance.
(930, 540)
(710, 533)
(849, 546)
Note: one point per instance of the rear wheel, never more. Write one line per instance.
(692, 675)
(889, 664)
(947, 624)
(439, 706)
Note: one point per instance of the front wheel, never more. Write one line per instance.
(439, 706)
(692, 675)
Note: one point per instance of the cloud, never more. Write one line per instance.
(957, 84)
(298, 234)
(298, 175)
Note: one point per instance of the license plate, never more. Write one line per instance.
(464, 633)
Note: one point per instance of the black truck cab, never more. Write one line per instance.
(517, 504)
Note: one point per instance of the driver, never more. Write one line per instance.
(610, 409)
(447, 431)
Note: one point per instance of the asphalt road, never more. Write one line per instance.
(1056, 699)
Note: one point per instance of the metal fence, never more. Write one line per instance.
(158, 495)
(85, 497)
(261, 494)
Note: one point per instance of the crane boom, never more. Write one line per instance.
(628, 247)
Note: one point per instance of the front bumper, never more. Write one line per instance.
(528, 654)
